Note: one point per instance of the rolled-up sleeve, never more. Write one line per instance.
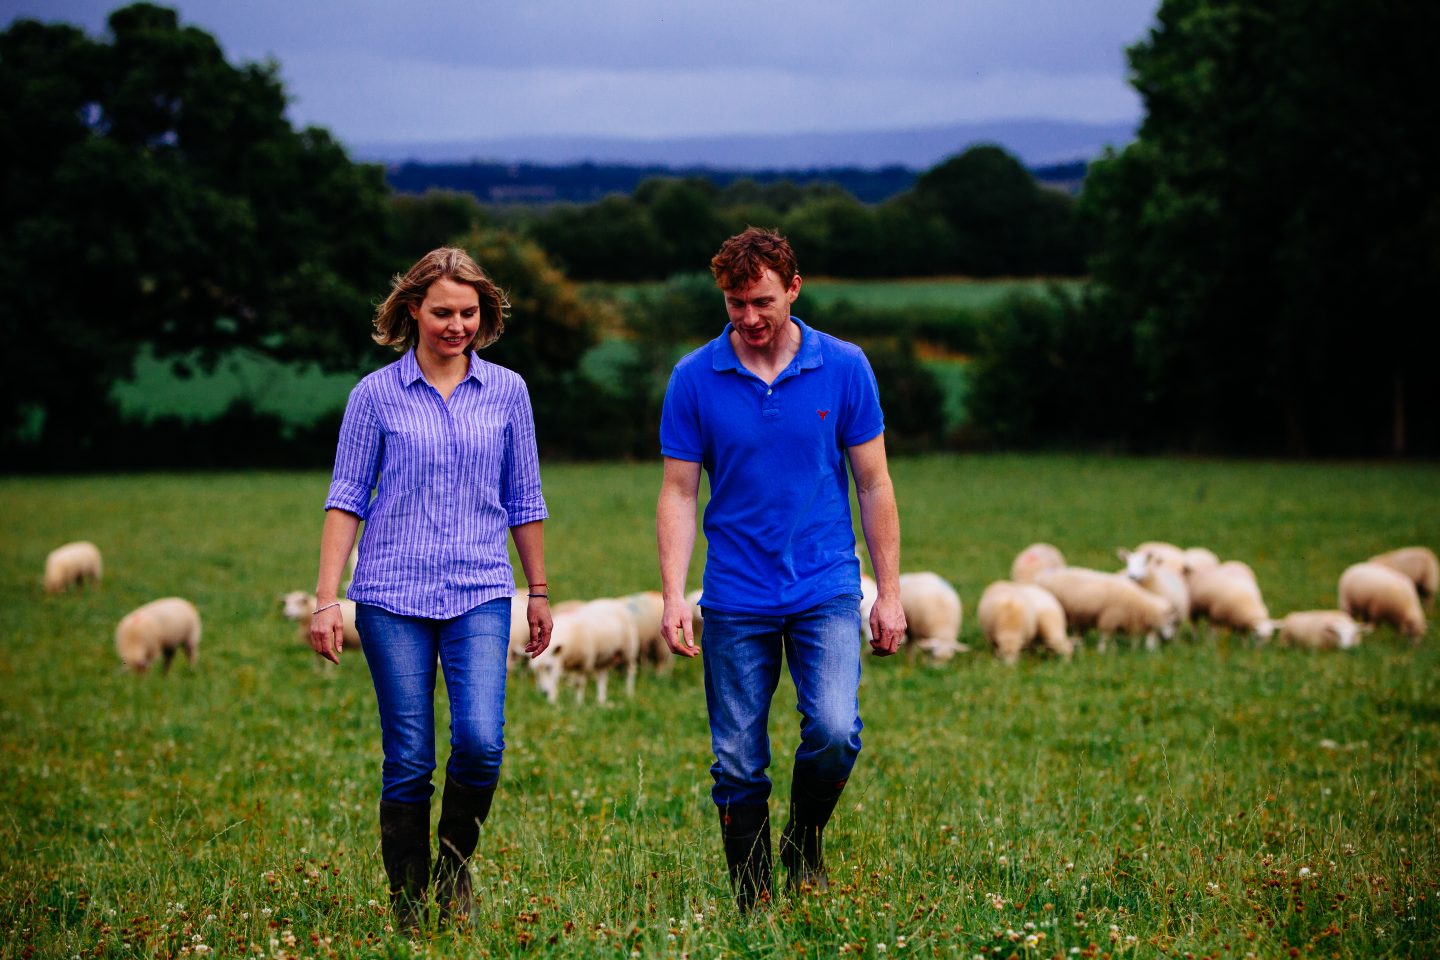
(357, 455)
(520, 494)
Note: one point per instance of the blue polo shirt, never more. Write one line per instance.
(778, 525)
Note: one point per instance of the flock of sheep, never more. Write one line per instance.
(1045, 605)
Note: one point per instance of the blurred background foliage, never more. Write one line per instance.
(1251, 275)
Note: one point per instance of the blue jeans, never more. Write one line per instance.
(742, 653)
(402, 652)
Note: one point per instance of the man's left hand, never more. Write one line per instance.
(887, 626)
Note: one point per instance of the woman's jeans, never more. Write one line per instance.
(742, 653)
(402, 653)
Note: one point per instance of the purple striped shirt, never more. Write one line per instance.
(449, 480)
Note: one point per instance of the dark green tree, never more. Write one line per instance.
(1272, 239)
(155, 193)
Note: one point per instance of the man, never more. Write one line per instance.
(772, 410)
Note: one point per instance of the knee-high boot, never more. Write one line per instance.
(745, 831)
(462, 810)
(812, 802)
(405, 850)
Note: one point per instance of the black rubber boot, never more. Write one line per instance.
(405, 849)
(745, 831)
(801, 842)
(462, 810)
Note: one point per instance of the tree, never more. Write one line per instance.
(1272, 238)
(155, 193)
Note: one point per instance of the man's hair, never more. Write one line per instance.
(744, 258)
(394, 327)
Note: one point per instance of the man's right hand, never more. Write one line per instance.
(677, 626)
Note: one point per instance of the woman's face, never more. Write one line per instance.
(446, 319)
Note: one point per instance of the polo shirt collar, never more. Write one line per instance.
(723, 357)
(410, 368)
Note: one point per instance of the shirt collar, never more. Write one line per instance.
(723, 356)
(410, 368)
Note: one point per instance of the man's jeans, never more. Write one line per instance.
(402, 653)
(742, 653)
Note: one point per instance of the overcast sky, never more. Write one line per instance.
(373, 71)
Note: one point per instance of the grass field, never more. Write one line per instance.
(1210, 799)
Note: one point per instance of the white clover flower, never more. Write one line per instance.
(1304, 871)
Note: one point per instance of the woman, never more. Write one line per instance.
(447, 443)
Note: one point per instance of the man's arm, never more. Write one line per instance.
(880, 520)
(675, 535)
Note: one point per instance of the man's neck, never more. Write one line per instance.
(767, 362)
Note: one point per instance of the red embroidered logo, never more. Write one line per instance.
(822, 413)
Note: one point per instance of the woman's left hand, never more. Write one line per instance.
(538, 613)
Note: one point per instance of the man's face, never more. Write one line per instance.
(760, 311)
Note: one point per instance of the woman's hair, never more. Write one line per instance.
(395, 327)
(743, 259)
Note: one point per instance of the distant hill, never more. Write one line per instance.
(533, 183)
(1035, 142)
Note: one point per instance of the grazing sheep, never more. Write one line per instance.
(586, 643)
(1111, 603)
(72, 565)
(1417, 563)
(1377, 594)
(1320, 630)
(932, 614)
(1196, 559)
(1163, 554)
(157, 629)
(1033, 559)
(300, 607)
(519, 631)
(1148, 568)
(647, 609)
(869, 593)
(1015, 616)
(1228, 596)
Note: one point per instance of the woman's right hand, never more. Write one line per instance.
(327, 632)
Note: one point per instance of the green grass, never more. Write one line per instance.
(1211, 799)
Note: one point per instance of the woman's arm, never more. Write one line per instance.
(530, 545)
(327, 626)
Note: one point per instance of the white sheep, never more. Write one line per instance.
(1034, 559)
(1375, 593)
(519, 631)
(869, 593)
(158, 629)
(933, 614)
(1160, 573)
(72, 565)
(1228, 596)
(1320, 630)
(1417, 563)
(1196, 559)
(1163, 554)
(300, 607)
(1019, 616)
(647, 608)
(587, 643)
(697, 616)
(1111, 603)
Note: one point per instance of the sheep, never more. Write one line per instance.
(72, 565)
(156, 629)
(869, 593)
(519, 631)
(1033, 559)
(697, 616)
(1228, 596)
(1320, 630)
(300, 607)
(932, 614)
(1195, 559)
(1014, 616)
(586, 643)
(1111, 603)
(1377, 594)
(1417, 563)
(1165, 555)
(647, 608)
(1157, 572)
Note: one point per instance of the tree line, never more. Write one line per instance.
(1262, 257)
